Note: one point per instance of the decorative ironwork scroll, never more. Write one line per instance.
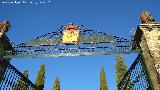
(137, 77)
(12, 79)
(90, 43)
(71, 40)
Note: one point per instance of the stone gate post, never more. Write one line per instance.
(147, 39)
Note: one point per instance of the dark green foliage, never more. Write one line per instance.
(56, 84)
(121, 69)
(21, 84)
(103, 82)
(40, 78)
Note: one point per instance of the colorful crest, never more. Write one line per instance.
(70, 34)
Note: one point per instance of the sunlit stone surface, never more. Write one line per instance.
(152, 35)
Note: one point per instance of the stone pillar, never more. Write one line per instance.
(3, 67)
(147, 38)
(4, 46)
(152, 35)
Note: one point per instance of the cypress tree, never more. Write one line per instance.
(103, 82)
(21, 84)
(40, 78)
(121, 69)
(56, 84)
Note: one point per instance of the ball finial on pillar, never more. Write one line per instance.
(4, 27)
(146, 17)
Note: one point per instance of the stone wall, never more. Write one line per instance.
(152, 35)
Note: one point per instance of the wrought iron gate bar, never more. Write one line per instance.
(71, 54)
(77, 50)
(91, 41)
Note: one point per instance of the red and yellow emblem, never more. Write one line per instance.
(70, 34)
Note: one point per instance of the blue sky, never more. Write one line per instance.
(117, 17)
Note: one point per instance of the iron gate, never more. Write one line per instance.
(12, 79)
(137, 77)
